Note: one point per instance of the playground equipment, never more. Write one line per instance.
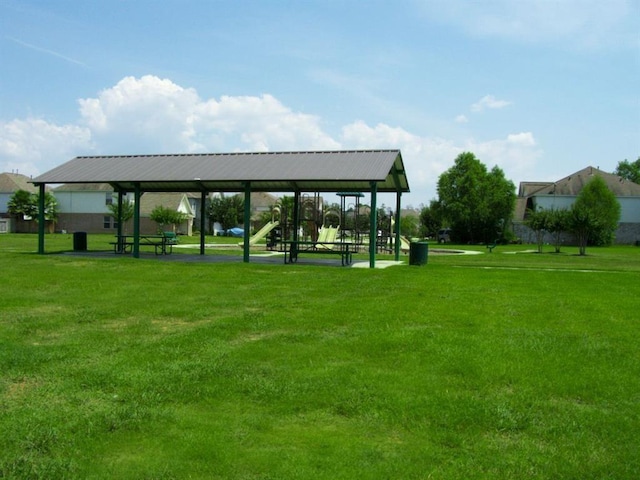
(405, 244)
(263, 232)
(327, 238)
(354, 223)
(306, 225)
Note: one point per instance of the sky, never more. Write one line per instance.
(540, 88)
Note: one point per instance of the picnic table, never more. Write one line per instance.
(293, 248)
(162, 243)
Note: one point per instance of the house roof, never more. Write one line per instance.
(328, 171)
(527, 188)
(574, 183)
(263, 200)
(521, 208)
(150, 200)
(12, 182)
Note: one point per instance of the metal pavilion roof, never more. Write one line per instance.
(324, 171)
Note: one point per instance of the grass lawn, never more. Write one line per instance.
(490, 366)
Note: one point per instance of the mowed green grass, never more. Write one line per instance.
(488, 366)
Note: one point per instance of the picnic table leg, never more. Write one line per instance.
(293, 254)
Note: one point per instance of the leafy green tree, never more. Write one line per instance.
(430, 219)
(500, 197)
(553, 221)
(594, 215)
(228, 211)
(167, 216)
(50, 207)
(477, 203)
(538, 221)
(557, 224)
(127, 211)
(629, 170)
(286, 207)
(409, 226)
(23, 204)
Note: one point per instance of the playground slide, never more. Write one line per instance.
(404, 243)
(330, 235)
(322, 235)
(260, 234)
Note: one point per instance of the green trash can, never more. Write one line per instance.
(80, 241)
(418, 253)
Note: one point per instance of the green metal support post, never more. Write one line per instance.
(247, 220)
(119, 220)
(398, 216)
(136, 221)
(296, 215)
(203, 206)
(373, 230)
(41, 219)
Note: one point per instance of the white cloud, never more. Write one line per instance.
(153, 115)
(489, 102)
(462, 119)
(425, 159)
(517, 154)
(524, 139)
(33, 146)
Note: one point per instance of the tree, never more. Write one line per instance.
(537, 220)
(127, 211)
(50, 207)
(477, 204)
(500, 197)
(228, 211)
(594, 215)
(557, 223)
(167, 216)
(430, 219)
(287, 203)
(629, 170)
(408, 226)
(23, 204)
(553, 221)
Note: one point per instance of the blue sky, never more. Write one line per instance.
(540, 88)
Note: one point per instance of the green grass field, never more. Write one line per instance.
(490, 366)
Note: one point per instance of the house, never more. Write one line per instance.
(562, 193)
(10, 183)
(175, 201)
(85, 207)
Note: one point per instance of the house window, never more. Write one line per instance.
(109, 198)
(107, 221)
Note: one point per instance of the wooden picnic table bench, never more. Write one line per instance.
(295, 248)
(162, 244)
